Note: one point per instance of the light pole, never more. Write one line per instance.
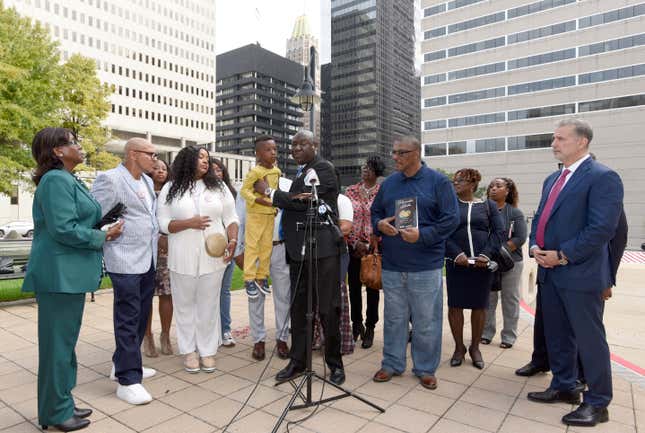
(306, 97)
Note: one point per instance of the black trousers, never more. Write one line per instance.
(356, 296)
(326, 300)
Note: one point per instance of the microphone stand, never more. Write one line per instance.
(307, 376)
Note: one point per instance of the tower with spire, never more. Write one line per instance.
(298, 51)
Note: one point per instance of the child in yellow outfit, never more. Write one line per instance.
(260, 214)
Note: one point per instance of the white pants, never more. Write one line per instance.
(195, 302)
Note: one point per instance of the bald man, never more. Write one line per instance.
(130, 262)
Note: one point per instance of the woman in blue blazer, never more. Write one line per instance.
(64, 264)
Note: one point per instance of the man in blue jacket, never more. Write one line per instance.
(576, 219)
(413, 261)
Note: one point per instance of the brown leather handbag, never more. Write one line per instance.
(371, 270)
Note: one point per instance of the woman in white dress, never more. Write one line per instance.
(193, 206)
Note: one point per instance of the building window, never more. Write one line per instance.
(434, 10)
(431, 79)
(477, 22)
(433, 102)
(554, 56)
(615, 44)
(538, 86)
(536, 7)
(615, 15)
(477, 70)
(477, 46)
(531, 113)
(454, 4)
(612, 103)
(542, 32)
(458, 98)
(612, 74)
(436, 55)
(536, 141)
(435, 149)
(479, 119)
(434, 124)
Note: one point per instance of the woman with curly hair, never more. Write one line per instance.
(194, 205)
(503, 191)
(468, 252)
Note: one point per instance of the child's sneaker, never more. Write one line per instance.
(263, 286)
(251, 289)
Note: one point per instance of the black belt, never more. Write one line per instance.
(277, 243)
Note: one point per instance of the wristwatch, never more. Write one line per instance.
(268, 191)
(562, 259)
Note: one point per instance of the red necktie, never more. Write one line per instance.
(548, 206)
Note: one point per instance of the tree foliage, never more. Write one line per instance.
(85, 105)
(28, 95)
(36, 91)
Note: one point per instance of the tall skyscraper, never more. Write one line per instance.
(498, 76)
(158, 56)
(298, 50)
(375, 90)
(254, 87)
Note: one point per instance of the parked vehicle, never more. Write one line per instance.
(23, 228)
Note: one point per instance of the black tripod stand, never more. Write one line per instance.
(307, 376)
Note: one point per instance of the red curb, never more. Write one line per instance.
(617, 359)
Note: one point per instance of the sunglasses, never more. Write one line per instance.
(400, 152)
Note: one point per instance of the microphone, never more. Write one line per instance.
(325, 212)
(312, 179)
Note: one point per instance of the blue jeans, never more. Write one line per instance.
(225, 298)
(416, 297)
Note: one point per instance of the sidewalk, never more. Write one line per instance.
(467, 400)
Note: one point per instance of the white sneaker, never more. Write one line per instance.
(228, 340)
(147, 373)
(133, 394)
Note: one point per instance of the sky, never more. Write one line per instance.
(269, 22)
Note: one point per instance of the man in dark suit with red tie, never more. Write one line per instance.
(577, 217)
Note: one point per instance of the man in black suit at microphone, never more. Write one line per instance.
(326, 262)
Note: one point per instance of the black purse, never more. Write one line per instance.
(112, 216)
(502, 256)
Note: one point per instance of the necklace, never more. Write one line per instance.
(366, 190)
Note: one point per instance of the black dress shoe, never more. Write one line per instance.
(289, 372)
(555, 396)
(458, 357)
(530, 370)
(82, 413)
(368, 338)
(337, 376)
(586, 416)
(358, 330)
(580, 386)
(477, 359)
(72, 424)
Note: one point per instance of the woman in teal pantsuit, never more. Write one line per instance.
(64, 264)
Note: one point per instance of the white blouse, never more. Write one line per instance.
(186, 249)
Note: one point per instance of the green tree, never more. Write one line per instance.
(85, 105)
(29, 98)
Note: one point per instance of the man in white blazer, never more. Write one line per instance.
(130, 262)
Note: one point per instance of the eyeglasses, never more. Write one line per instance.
(74, 143)
(400, 152)
(152, 155)
(459, 181)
